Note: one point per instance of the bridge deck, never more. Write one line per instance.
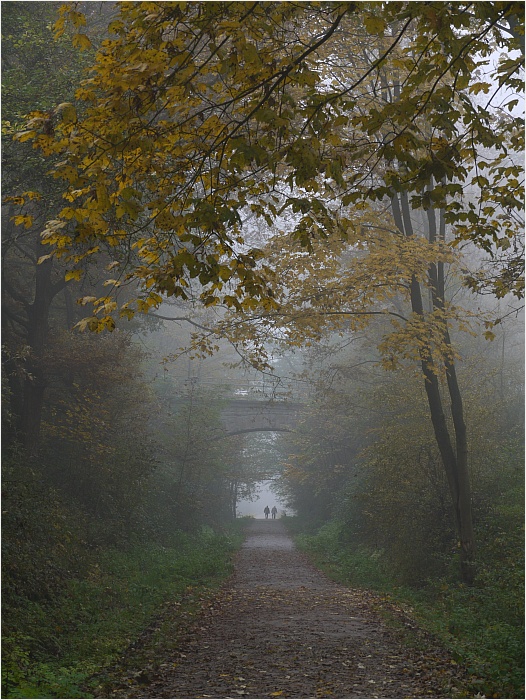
(252, 415)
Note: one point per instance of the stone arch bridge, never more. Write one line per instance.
(249, 415)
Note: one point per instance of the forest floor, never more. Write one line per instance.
(279, 628)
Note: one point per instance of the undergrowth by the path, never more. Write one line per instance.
(482, 626)
(60, 644)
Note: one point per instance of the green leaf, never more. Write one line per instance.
(375, 25)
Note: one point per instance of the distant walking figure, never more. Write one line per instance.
(266, 511)
(274, 512)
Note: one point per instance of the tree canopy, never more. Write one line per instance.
(197, 116)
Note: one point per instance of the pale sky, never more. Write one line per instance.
(265, 498)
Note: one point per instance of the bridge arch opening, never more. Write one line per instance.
(263, 460)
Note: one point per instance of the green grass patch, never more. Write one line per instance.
(60, 644)
(362, 567)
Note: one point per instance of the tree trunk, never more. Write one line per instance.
(462, 504)
(233, 498)
(454, 458)
(38, 328)
(33, 401)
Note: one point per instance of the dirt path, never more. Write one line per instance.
(280, 628)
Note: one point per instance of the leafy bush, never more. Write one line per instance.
(361, 567)
(42, 538)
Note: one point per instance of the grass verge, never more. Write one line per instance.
(61, 646)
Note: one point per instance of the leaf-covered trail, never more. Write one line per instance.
(280, 628)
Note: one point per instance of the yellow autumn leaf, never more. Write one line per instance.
(25, 135)
(23, 219)
(43, 258)
(68, 112)
(81, 41)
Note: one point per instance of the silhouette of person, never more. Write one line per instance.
(266, 511)
(274, 512)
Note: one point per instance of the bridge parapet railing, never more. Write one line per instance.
(261, 390)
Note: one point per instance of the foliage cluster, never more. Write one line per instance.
(195, 116)
(199, 467)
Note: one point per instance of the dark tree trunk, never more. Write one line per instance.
(233, 498)
(454, 457)
(30, 417)
(33, 401)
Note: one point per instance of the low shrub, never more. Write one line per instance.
(358, 566)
